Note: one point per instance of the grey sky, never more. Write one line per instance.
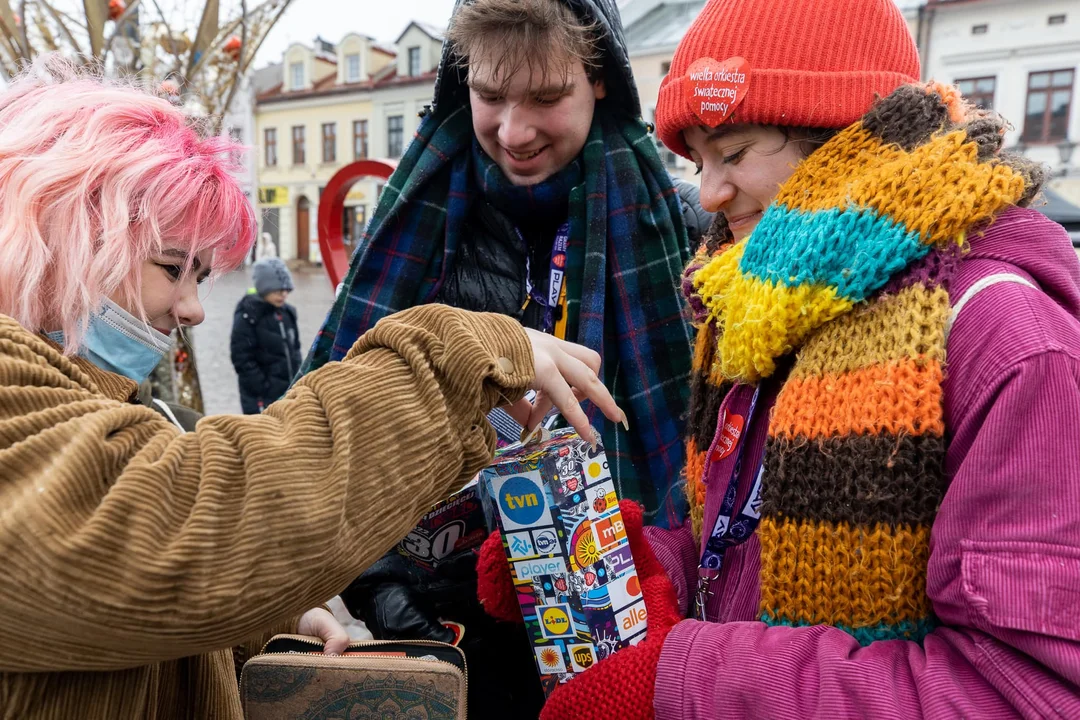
(381, 19)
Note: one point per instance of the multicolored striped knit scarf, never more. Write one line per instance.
(627, 249)
(848, 269)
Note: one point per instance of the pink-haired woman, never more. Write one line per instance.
(134, 554)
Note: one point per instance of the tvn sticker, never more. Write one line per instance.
(555, 620)
(521, 500)
(545, 541)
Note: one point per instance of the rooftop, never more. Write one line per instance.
(661, 27)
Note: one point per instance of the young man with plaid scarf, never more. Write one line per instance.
(532, 189)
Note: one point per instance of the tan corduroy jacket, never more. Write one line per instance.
(134, 556)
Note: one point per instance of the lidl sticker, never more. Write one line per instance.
(714, 89)
(555, 620)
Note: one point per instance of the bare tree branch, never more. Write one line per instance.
(236, 69)
(120, 23)
(64, 28)
(265, 32)
(28, 53)
(97, 12)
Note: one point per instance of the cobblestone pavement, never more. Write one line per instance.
(311, 298)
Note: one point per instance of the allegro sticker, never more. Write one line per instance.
(714, 89)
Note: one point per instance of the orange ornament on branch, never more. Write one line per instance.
(232, 48)
(116, 9)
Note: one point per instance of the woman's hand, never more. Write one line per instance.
(565, 374)
(319, 622)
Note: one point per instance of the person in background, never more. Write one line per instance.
(883, 464)
(137, 553)
(265, 343)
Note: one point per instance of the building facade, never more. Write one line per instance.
(653, 31)
(334, 104)
(1021, 58)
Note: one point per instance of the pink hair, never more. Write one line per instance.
(95, 177)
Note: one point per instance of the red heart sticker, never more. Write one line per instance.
(729, 437)
(714, 89)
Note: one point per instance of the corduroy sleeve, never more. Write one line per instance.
(125, 543)
(1003, 578)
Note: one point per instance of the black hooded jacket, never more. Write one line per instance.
(265, 350)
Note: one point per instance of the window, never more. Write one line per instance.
(1055, 20)
(329, 142)
(270, 146)
(359, 138)
(1048, 100)
(299, 157)
(352, 68)
(979, 91)
(979, 29)
(414, 61)
(665, 68)
(296, 73)
(395, 135)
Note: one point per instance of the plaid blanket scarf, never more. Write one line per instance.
(627, 249)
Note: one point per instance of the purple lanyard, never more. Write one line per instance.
(556, 275)
(729, 531)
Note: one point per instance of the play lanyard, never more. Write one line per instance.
(555, 277)
(728, 532)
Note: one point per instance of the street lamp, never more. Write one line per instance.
(1065, 151)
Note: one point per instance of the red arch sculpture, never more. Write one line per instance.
(331, 207)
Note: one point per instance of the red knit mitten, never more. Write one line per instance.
(494, 583)
(622, 686)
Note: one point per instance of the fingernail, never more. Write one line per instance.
(625, 422)
(596, 439)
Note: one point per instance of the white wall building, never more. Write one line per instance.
(653, 31)
(1022, 58)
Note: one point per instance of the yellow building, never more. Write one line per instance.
(336, 104)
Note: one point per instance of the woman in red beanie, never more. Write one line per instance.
(876, 533)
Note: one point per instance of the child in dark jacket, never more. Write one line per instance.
(265, 337)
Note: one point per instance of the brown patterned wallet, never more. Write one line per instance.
(406, 680)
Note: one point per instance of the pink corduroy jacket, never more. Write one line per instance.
(1004, 570)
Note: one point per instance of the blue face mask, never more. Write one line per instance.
(117, 342)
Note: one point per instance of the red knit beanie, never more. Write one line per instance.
(808, 63)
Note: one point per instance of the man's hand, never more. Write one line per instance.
(320, 622)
